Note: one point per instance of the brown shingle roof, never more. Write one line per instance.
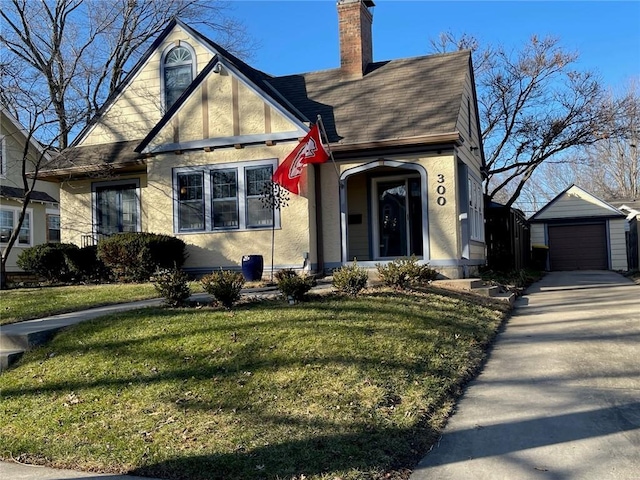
(393, 100)
(94, 158)
(15, 193)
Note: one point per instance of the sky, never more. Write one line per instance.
(299, 36)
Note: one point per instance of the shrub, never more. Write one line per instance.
(173, 285)
(225, 286)
(48, 260)
(350, 279)
(404, 272)
(134, 256)
(86, 266)
(292, 285)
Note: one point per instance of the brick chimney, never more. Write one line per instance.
(355, 18)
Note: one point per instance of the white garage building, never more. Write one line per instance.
(581, 231)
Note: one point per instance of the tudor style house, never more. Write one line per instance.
(42, 221)
(187, 143)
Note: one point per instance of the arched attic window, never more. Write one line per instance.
(178, 67)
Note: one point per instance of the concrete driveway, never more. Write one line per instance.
(559, 397)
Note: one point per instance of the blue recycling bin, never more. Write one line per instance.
(252, 267)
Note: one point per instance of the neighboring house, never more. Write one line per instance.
(42, 221)
(581, 231)
(187, 143)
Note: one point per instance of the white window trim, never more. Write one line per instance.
(16, 214)
(3, 151)
(242, 204)
(115, 183)
(476, 210)
(165, 52)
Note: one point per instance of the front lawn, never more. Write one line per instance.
(331, 388)
(27, 303)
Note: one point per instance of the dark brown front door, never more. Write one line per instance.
(578, 247)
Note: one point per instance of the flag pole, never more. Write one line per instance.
(326, 137)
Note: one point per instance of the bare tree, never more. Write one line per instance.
(610, 168)
(613, 164)
(33, 156)
(534, 106)
(78, 51)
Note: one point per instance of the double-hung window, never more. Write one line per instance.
(8, 220)
(223, 197)
(191, 201)
(53, 227)
(256, 181)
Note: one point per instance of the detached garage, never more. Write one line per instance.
(581, 231)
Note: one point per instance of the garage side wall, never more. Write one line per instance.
(618, 247)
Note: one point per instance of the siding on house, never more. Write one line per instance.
(444, 236)
(138, 108)
(537, 234)
(357, 205)
(575, 204)
(226, 248)
(617, 243)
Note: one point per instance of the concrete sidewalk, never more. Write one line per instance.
(16, 471)
(559, 397)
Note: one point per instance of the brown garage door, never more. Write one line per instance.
(578, 247)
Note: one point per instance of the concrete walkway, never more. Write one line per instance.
(16, 338)
(559, 397)
(15, 471)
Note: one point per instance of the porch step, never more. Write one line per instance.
(487, 291)
(477, 286)
(459, 283)
(508, 297)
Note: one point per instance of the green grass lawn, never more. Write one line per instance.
(27, 303)
(331, 388)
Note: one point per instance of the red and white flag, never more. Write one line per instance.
(309, 150)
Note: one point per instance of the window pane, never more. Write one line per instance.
(6, 225)
(225, 213)
(257, 215)
(178, 55)
(225, 198)
(190, 201)
(225, 184)
(53, 228)
(24, 238)
(257, 180)
(176, 81)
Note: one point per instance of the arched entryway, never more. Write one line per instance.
(383, 206)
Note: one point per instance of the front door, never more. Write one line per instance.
(398, 229)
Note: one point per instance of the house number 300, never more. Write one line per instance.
(441, 190)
